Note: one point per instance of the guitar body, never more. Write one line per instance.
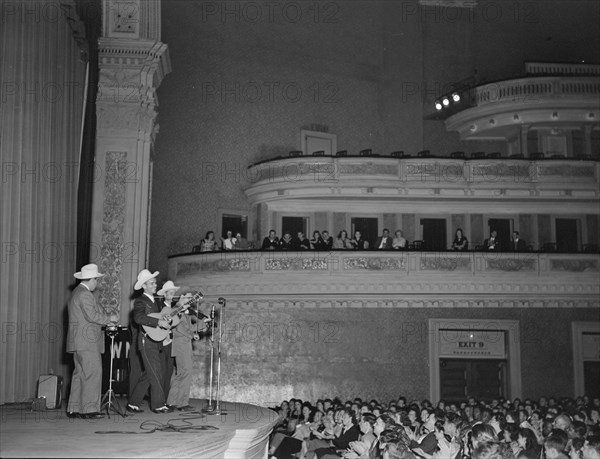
(158, 333)
(168, 314)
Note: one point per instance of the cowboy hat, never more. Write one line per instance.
(169, 285)
(143, 277)
(88, 272)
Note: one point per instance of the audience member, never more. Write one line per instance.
(555, 445)
(228, 242)
(271, 242)
(399, 243)
(301, 242)
(492, 243)
(327, 240)
(460, 241)
(591, 447)
(209, 243)
(286, 242)
(517, 244)
(358, 243)
(384, 242)
(317, 242)
(338, 445)
(342, 241)
(240, 242)
(492, 450)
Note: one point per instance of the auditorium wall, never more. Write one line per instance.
(274, 354)
(248, 76)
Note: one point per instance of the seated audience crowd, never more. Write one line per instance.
(356, 429)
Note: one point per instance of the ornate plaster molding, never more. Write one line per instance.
(113, 229)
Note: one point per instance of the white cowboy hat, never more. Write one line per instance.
(169, 285)
(143, 277)
(88, 272)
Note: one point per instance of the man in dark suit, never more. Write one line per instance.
(384, 242)
(492, 243)
(517, 244)
(153, 353)
(85, 341)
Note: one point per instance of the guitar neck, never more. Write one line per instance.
(184, 306)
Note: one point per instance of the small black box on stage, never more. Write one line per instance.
(50, 387)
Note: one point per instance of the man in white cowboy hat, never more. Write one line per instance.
(181, 349)
(153, 352)
(86, 341)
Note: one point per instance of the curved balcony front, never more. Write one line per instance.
(500, 109)
(392, 278)
(325, 183)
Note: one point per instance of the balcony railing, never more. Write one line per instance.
(388, 279)
(532, 90)
(376, 178)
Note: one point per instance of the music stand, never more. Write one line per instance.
(107, 399)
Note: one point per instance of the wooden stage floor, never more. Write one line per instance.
(242, 432)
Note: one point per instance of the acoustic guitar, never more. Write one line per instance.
(171, 316)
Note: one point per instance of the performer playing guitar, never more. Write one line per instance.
(168, 314)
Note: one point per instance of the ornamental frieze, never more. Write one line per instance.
(375, 264)
(295, 264)
(221, 265)
(574, 266)
(511, 264)
(440, 263)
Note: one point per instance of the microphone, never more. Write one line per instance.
(222, 301)
(212, 312)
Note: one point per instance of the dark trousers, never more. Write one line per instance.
(138, 379)
(156, 361)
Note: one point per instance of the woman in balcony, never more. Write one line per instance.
(317, 242)
(209, 243)
(342, 241)
(460, 241)
(399, 243)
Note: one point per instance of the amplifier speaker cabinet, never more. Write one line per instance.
(50, 387)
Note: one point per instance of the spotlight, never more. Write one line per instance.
(438, 105)
(455, 97)
(445, 101)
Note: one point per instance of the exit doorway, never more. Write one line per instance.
(484, 379)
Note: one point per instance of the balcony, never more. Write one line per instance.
(497, 111)
(392, 279)
(353, 183)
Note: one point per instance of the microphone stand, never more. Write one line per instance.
(217, 409)
(107, 400)
(210, 408)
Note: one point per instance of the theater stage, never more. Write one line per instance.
(241, 433)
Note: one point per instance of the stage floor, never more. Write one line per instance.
(240, 433)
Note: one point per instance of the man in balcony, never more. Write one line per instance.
(271, 242)
(492, 243)
(384, 242)
(517, 244)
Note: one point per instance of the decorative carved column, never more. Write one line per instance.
(132, 63)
